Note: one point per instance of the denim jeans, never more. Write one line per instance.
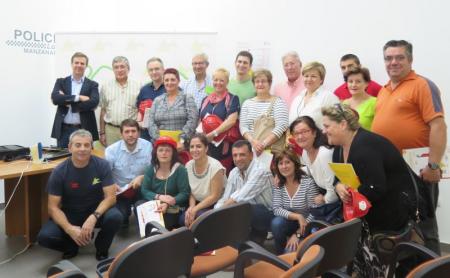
(53, 236)
(282, 228)
(260, 223)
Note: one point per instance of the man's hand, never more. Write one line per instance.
(137, 181)
(167, 199)
(75, 233)
(84, 98)
(88, 228)
(430, 175)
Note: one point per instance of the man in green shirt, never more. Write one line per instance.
(242, 85)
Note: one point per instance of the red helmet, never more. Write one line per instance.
(165, 140)
(143, 105)
(210, 123)
(357, 207)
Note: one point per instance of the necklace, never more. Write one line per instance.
(200, 176)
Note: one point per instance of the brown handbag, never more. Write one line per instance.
(263, 126)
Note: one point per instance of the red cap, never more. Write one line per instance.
(210, 123)
(357, 207)
(165, 140)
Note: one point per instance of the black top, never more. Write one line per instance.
(384, 177)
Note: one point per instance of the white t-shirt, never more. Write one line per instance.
(321, 98)
(321, 172)
(201, 183)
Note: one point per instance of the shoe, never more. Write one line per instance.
(100, 256)
(69, 254)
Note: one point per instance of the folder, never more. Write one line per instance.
(345, 174)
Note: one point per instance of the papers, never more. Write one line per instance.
(174, 134)
(124, 188)
(417, 159)
(346, 174)
(146, 213)
(146, 118)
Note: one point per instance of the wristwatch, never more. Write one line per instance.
(96, 214)
(298, 235)
(434, 166)
(215, 133)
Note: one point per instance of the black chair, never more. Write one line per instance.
(409, 250)
(439, 267)
(221, 231)
(166, 255)
(65, 269)
(340, 242)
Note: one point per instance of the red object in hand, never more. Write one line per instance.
(295, 147)
(357, 207)
(144, 105)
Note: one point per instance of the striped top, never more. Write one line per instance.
(252, 109)
(119, 101)
(301, 202)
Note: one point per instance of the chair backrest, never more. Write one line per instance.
(222, 227)
(340, 242)
(166, 255)
(72, 273)
(439, 267)
(307, 267)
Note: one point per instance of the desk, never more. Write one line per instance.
(27, 210)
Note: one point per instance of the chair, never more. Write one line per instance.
(65, 269)
(220, 230)
(339, 241)
(439, 267)
(405, 250)
(166, 255)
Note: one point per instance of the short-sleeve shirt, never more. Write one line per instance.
(402, 115)
(242, 89)
(80, 189)
(201, 184)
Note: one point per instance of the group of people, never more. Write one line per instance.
(195, 147)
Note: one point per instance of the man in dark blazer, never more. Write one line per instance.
(76, 97)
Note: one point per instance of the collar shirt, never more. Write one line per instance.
(199, 92)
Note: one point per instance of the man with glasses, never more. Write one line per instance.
(409, 112)
(200, 84)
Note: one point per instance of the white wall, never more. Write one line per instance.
(320, 30)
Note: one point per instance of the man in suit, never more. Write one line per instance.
(76, 97)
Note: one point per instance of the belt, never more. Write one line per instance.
(72, 125)
(113, 125)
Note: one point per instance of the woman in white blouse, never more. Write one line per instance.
(257, 106)
(207, 180)
(311, 100)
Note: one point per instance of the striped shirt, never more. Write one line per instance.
(119, 101)
(301, 202)
(252, 109)
(192, 88)
(253, 186)
(181, 115)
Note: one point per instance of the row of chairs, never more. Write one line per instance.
(181, 252)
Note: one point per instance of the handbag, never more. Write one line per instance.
(263, 126)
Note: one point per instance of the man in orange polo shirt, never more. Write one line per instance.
(409, 112)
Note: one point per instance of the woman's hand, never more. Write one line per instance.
(319, 200)
(167, 199)
(210, 136)
(189, 216)
(258, 146)
(341, 190)
(162, 207)
(302, 224)
(292, 243)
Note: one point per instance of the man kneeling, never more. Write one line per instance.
(81, 196)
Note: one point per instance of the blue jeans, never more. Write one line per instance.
(281, 230)
(124, 205)
(260, 223)
(63, 140)
(53, 236)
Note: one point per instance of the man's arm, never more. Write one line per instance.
(58, 216)
(109, 200)
(58, 96)
(90, 101)
(102, 126)
(256, 183)
(438, 143)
